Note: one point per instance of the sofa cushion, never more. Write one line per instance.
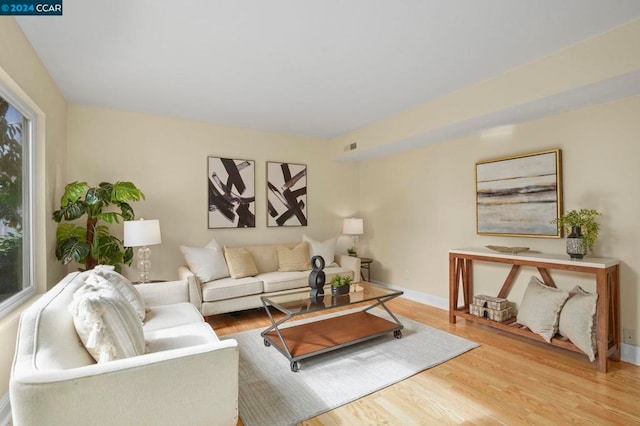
(326, 249)
(107, 324)
(121, 284)
(168, 316)
(180, 337)
(228, 288)
(293, 259)
(207, 263)
(277, 281)
(240, 262)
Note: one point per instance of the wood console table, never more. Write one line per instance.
(607, 275)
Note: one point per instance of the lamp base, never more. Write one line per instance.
(144, 264)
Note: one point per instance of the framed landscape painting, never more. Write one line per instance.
(519, 196)
(232, 195)
(286, 194)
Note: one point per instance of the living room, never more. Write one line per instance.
(411, 177)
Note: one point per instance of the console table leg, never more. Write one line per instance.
(602, 323)
(614, 277)
(453, 289)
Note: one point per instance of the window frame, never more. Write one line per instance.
(28, 202)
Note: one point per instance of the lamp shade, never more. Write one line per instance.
(352, 226)
(138, 233)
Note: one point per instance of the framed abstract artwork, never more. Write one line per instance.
(232, 195)
(286, 194)
(519, 196)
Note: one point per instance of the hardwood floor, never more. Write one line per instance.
(507, 380)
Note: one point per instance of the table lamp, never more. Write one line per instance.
(142, 233)
(354, 227)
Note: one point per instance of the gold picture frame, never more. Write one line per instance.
(520, 195)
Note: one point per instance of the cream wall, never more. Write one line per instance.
(23, 73)
(167, 159)
(601, 60)
(419, 204)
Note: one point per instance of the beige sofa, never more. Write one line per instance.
(188, 377)
(229, 294)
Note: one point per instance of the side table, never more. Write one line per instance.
(365, 264)
(150, 282)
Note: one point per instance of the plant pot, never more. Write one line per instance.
(344, 289)
(576, 248)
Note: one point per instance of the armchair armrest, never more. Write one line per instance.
(195, 290)
(352, 263)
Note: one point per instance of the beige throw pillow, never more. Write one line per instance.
(106, 323)
(540, 308)
(240, 262)
(577, 321)
(295, 259)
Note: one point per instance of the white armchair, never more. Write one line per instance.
(191, 377)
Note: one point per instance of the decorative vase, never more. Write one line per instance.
(343, 289)
(576, 248)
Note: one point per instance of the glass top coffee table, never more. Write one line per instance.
(323, 333)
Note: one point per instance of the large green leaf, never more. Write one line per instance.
(72, 249)
(110, 217)
(95, 196)
(127, 211)
(107, 250)
(124, 192)
(128, 256)
(73, 192)
(67, 231)
(71, 211)
(101, 231)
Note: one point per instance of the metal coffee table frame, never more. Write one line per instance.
(327, 332)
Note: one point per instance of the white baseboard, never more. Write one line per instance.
(629, 353)
(418, 296)
(5, 410)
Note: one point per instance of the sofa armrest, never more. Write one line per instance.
(164, 293)
(195, 286)
(192, 385)
(352, 263)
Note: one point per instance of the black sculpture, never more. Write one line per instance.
(317, 277)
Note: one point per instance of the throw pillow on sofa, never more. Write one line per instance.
(207, 263)
(106, 323)
(540, 308)
(240, 262)
(326, 249)
(577, 321)
(121, 284)
(295, 259)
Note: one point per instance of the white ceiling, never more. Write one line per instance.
(313, 68)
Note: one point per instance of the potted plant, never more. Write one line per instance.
(352, 252)
(93, 243)
(340, 284)
(582, 225)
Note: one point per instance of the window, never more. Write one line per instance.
(16, 247)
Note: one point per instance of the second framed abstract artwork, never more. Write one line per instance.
(232, 195)
(286, 194)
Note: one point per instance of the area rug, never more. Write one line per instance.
(271, 394)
